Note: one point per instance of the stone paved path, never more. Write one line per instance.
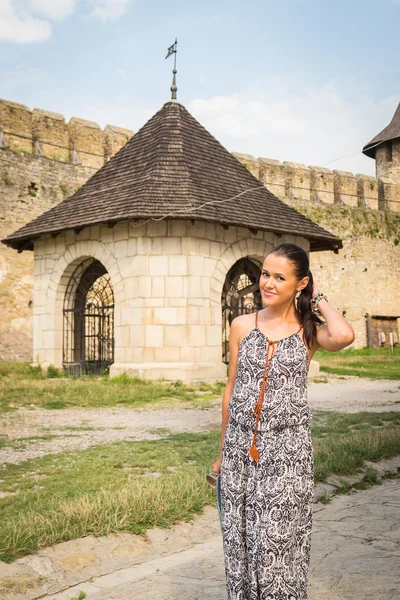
(355, 556)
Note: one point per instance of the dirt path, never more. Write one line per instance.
(354, 394)
(108, 425)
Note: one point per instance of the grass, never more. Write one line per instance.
(369, 479)
(132, 486)
(128, 486)
(343, 440)
(25, 386)
(363, 362)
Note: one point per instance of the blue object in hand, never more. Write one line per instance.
(214, 480)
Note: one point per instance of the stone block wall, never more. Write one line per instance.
(361, 280)
(167, 279)
(388, 160)
(29, 185)
(299, 183)
(47, 134)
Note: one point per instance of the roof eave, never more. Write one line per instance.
(20, 244)
(369, 150)
(317, 243)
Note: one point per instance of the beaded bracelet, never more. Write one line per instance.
(315, 300)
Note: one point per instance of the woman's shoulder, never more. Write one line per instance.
(242, 325)
(245, 319)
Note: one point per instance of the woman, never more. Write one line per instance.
(266, 463)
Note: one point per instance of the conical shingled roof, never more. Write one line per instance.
(174, 165)
(391, 132)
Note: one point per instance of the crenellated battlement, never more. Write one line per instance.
(83, 143)
(295, 181)
(45, 133)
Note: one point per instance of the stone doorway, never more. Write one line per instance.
(88, 320)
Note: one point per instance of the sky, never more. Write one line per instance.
(300, 81)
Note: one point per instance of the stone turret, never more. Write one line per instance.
(385, 149)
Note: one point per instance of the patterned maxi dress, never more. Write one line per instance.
(266, 506)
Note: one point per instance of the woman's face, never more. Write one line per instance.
(278, 283)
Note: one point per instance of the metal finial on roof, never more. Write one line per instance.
(173, 50)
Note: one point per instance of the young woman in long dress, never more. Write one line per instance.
(266, 461)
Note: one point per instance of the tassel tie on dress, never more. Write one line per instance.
(255, 455)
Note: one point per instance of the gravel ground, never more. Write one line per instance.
(351, 394)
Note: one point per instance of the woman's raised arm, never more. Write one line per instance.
(336, 333)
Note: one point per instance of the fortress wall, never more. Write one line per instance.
(389, 194)
(367, 191)
(16, 119)
(87, 138)
(298, 181)
(46, 133)
(363, 278)
(343, 203)
(322, 185)
(29, 185)
(345, 188)
(273, 174)
(317, 184)
(52, 131)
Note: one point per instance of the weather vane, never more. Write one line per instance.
(172, 50)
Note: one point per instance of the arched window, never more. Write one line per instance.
(240, 295)
(88, 316)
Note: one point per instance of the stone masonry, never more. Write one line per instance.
(164, 275)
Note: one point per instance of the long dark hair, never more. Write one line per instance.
(301, 265)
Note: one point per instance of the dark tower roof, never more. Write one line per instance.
(391, 132)
(174, 165)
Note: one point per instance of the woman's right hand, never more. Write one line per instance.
(217, 465)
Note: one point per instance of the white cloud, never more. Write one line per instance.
(28, 21)
(56, 10)
(247, 117)
(19, 23)
(291, 121)
(110, 10)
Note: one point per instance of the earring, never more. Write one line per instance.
(298, 294)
